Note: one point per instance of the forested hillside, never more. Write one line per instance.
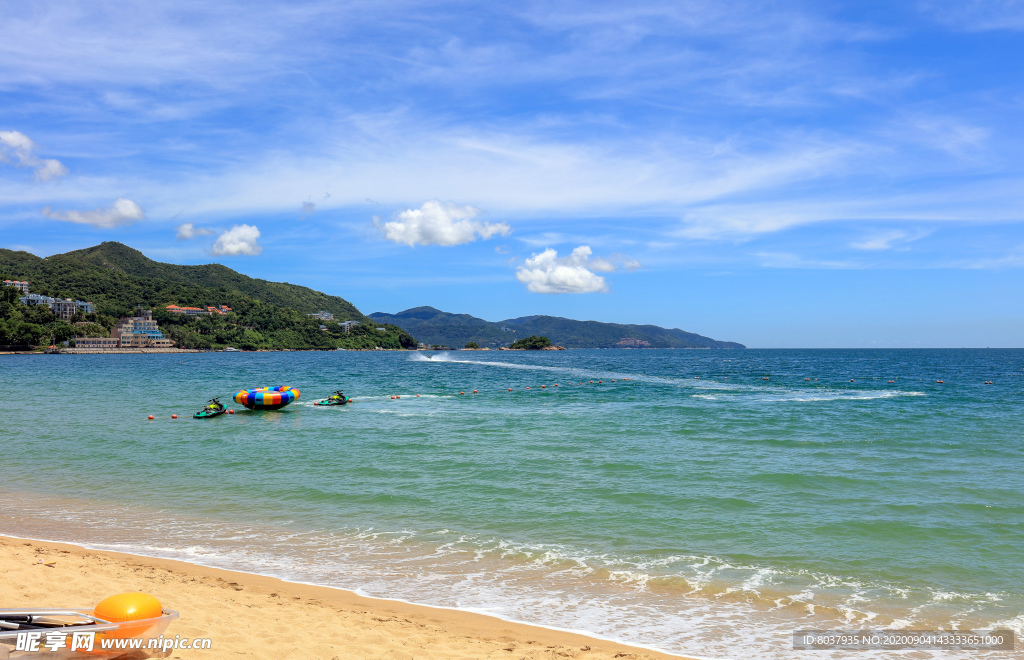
(266, 315)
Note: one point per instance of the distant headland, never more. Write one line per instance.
(91, 296)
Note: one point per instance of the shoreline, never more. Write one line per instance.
(230, 607)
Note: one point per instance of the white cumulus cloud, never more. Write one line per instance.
(548, 273)
(189, 231)
(19, 148)
(439, 223)
(239, 240)
(122, 212)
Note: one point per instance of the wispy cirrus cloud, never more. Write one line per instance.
(888, 240)
(976, 15)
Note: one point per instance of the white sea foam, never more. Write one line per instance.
(732, 609)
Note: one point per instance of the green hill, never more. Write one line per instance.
(436, 327)
(117, 278)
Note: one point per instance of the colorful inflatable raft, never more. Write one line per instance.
(267, 398)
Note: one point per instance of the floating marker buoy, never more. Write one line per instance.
(174, 417)
(765, 378)
(474, 391)
(527, 388)
(851, 380)
(591, 381)
(461, 392)
(399, 396)
(417, 396)
(232, 412)
(543, 387)
(938, 381)
(809, 379)
(556, 384)
(151, 417)
(392, 398)
(510, 389)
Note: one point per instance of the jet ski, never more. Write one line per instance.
(212, 409)
(336, 399)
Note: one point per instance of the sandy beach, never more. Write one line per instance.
(250, 616)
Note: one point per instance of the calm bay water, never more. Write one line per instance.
(708, 515)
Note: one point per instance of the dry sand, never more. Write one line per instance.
(249, 616)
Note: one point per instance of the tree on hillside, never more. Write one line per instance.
(472, 344)
(531, 343)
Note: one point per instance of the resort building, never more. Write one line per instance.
(348, 325)
(322, 315)
(64, 308)
(139, 331)
(17, 284)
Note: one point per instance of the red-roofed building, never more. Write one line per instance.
(17, 284)
(188, 311)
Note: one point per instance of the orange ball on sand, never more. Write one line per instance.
(130, 606)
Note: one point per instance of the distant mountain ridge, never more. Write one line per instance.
(433, 326)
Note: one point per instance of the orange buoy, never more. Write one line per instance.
(765, 378)
(231, 412)
(510, 389)
(543, 387)
(474, 391)
(600, 382)
(417, 396)
(938, 381)
(527, 388)
(392, 398)
(461, 392)
(151, 417)
(851, 380)
(399, 396)
(806, 378)
(556, 384)
(174, 417)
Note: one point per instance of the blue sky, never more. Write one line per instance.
(783, 174)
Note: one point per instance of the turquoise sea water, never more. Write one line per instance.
(683, 503)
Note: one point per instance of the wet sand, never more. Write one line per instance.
(250, 616)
